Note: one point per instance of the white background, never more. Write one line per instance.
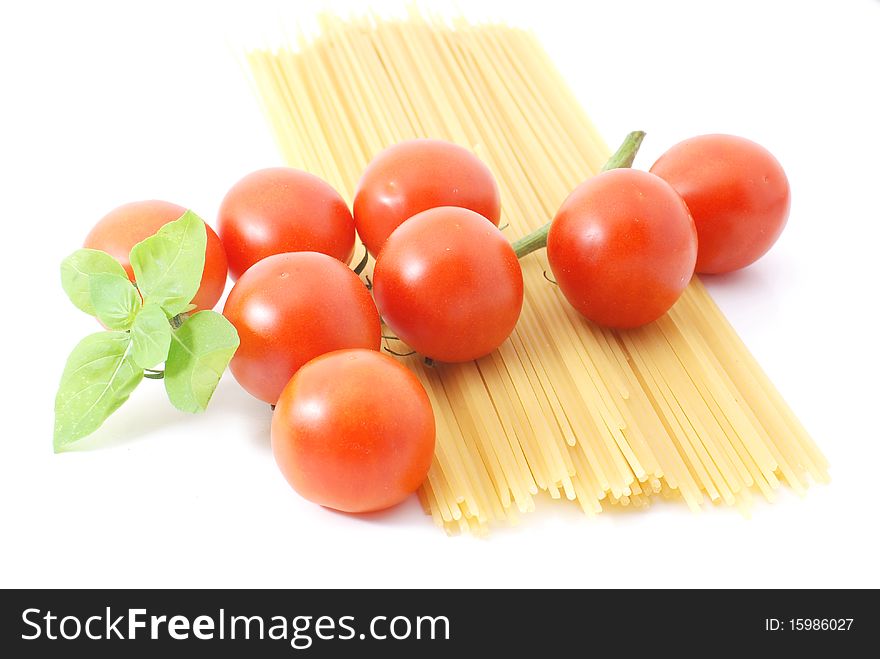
(112, 102)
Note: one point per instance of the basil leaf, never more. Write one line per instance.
(98, 378)
(78, 268)
(115, 299)
(200, 351)
(168, 265)
(150, 336)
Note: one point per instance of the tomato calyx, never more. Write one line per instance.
(623, 157)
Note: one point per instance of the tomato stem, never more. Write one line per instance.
(623, 157)
(398, 354)
(179, 320)
(532, 242)
(359, 268)
(626, 152)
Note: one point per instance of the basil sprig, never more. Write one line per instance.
(147, 323)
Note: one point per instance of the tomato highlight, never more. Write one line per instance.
(353, 430)
(417, 175)
(281, 209)
(449, 284)
(125, 226)
(290, 308)
(737, 193)
(622, 248)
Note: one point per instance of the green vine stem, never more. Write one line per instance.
(623, 157)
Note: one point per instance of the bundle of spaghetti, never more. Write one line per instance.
(603, 417)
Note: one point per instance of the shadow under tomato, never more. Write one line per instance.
(750, 278)
(406, 513)
(751, 297)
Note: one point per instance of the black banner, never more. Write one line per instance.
(406, 623)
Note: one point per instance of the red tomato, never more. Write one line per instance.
(622, 248)
(737, 193)
(124, 227)
(290, 308)
(354, 431)
(416, 175)
(449, 284)
(282, 209)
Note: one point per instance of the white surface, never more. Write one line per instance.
(107, 103)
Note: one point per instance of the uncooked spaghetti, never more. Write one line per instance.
(603, 417)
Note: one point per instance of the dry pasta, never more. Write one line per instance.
(678, 408)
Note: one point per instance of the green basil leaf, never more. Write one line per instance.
(200, 351)
(150, 336)
(79, 267)
(98, 378)
(115, 299)
(168, 265)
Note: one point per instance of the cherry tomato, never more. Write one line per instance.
(416, 175)
(354, 431)
(737, 193)
(290, 308)
(622, 248)
(449, 284)
(282, 209)
(124, 227)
